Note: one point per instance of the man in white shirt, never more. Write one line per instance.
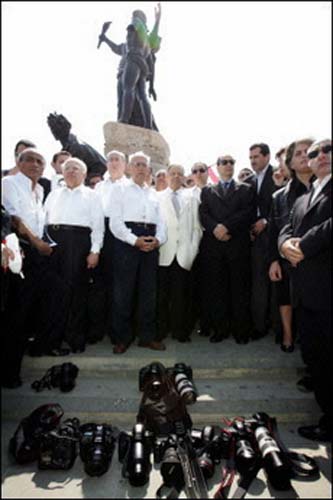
(57, 179)
(39, 296)
(114, 176)
(180, 212)
(74, 220)
(139, 230)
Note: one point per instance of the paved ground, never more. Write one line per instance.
(232, 380)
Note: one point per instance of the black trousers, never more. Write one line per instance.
(173, 294)
(264, 305)
(315, 338)
(134, 274)
(69, 262)
(106, 266)
(38, 310)
(226, 287)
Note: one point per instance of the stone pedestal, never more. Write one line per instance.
(129, 139)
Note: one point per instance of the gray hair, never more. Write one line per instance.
(77, 162)
(115, 152)
(26, 151)
(139, 154)
(175, 165)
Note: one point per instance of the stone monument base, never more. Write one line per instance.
(129, 139)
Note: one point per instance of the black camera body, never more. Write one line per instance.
(62, 376)
(97, 445)
(25, 444)
(154, 371)
(59, 448)
(134, 453)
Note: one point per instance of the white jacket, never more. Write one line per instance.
(184, 234)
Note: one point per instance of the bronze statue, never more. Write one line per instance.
(60, 128)
(137, 66)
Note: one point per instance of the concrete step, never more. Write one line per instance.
(100, 399)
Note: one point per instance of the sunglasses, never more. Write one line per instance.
(225, 162)
(201, 170)
(324, 149)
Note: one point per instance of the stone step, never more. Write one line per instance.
(117, 401)
(260, 359)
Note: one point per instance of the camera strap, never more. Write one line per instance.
(301, 465)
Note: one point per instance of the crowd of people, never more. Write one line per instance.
(141, 255)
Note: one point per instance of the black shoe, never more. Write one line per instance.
(58, 352)
(242, 340)
(203, 333)
(12, 383)
(78, 350)
(256, 335)
(217, 337)
(287, 348)
(315, 432)
(305, 384)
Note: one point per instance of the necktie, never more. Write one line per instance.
(175, 202)
(225, 187)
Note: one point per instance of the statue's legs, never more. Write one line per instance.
(129, 80)
(144, 103)
(119, 97)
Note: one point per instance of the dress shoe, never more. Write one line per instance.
(256, 334)
(203, 333)
(315, 432)
(184, 339)
(11, 383)
(287, 348)
(305, 384)
(242, 340)
(59, 352)
(217, 337)
(119, 349)
(156, 346)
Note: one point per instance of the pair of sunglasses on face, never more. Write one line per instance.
(324, 149)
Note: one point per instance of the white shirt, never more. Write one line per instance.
(260, 177)
(57, 180)
(318, 186)
(196, 192)
(80, 206)
(105, 188)
(20, 199)
(133, 203)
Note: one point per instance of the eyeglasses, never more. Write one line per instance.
(315, 152)
(197, 170)
(225, 162)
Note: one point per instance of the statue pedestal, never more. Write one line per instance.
(129, 139)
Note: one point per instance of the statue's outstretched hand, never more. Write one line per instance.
(158, 12)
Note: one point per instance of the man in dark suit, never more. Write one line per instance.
(264, 186)
(306, 243)
(226, 213)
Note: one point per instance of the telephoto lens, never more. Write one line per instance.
(68, 374)
(245, 456)
(277, 471)
(134, 453)
(184, 384)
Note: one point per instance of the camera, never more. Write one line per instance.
(153, 372)
(97, 445)
(24, 445)
(134, 453)
(183, 376)
(165, 453)
(201, 441)
(59, 448)
(245, 456)
(62, 376)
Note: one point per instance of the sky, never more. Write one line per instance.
(228, 74)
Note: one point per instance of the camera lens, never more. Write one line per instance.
(185, 388)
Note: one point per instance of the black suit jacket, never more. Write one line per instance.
(263, 199)
(233, 209)
(312, 222)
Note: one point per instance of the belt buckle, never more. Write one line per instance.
(55, 227)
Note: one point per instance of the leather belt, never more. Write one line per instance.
(144, 225)
(69, 227)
